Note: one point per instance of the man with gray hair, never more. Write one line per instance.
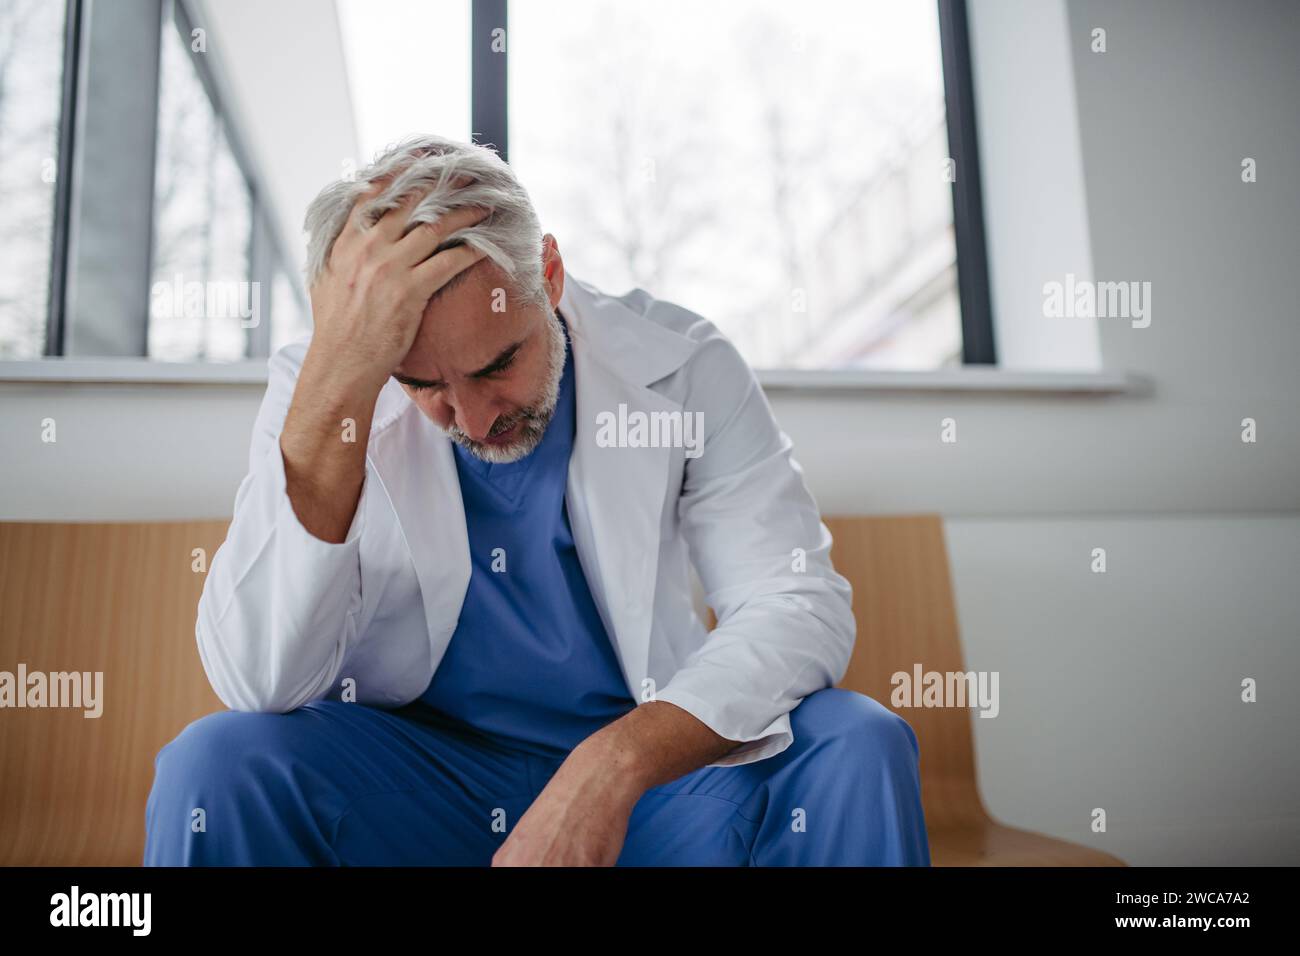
(454, 618)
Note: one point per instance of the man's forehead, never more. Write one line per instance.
(467, 326)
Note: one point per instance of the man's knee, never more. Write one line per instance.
(224, 749)
(853, 724)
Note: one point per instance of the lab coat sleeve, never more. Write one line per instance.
(278, 611)
(785, 621)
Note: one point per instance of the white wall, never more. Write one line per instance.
(1123, 690)
(1118, 690)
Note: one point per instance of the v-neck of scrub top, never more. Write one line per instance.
(530, 662)
(506, 478)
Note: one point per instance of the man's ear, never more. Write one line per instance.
(552, 268)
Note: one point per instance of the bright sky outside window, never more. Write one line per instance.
(31, 67)
(776, 167)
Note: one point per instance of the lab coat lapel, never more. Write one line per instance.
(416, 465)
(616, 495)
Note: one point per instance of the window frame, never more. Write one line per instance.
(977, 335)
(58, 273)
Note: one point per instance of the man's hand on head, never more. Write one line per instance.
(367, 305)
(368, 302)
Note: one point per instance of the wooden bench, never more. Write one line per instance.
(120, 599)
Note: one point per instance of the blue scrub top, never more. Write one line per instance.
(530, 660)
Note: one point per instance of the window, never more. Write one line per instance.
(162, 248)
(290, 320)
(202, 301)
(780, 168)
(803, 174)
(408, 68)
(31, 64)
(777, 167)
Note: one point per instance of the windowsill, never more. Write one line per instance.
(135, 371)
(969, 378)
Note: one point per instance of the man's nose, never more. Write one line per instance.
(475, 417)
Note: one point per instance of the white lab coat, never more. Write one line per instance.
(286, 618)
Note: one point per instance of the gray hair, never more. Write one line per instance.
(453, 174)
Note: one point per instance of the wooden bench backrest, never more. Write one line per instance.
(120, 599)
(115, 598)
(903, 603)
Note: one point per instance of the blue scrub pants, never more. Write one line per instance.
(335, 783)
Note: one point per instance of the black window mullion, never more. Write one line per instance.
(978, 346)
(56, 301)
(489, 111)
